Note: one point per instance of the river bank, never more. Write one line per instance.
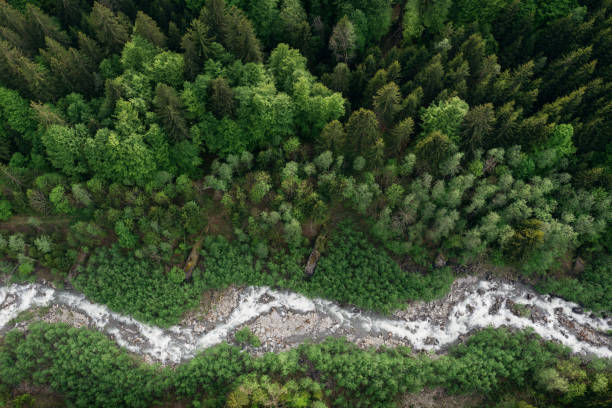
(283, 320)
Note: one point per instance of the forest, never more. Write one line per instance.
(151, 151)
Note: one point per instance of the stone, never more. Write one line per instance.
(578, 265)
(578, 310)
(440, 261)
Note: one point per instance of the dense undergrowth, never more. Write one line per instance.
(593, 288)
(88, 370)
(353, 271)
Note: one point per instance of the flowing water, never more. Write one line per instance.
(471, 304)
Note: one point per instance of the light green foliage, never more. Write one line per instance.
(245, 336)
(126, 238)
(81, 195)
(43, 244)
(359, 163)
(262, 391)
(286, 65)
(64, 145)
(445, 117)
(422, 14)
(121, 156)
(354, 271)
(291, 146)
(16, 243)
(261, 187)
(5, 210)
(110, 376)
(138, 54)
(60, 202)
(394, 194)
(324, 160)
(167, 67)
(293, 233)
(558, 147)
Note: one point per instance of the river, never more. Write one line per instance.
(284, 319)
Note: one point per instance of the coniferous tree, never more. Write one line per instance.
(387, 103)
(147, 28)
(197, 46)
(239, 37)
(362, 131)
(477, 125)
(111, 30)
(169, 107)
(221, 98)
(69, 68)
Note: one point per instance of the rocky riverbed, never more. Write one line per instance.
(283, 320)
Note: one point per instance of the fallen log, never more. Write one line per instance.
(194, 257)
(312, 262)
(81, 259)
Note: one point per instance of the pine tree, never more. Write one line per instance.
(398, 138)
(220, 98)
(294, 25)
(433, 150)
(169, 107)
(69, 68)
(197, 45)
(90, 50)
(240, 37)
(28, 77)
(214, 15)
(477, 125)
(40, 26)
(362, 131)
(332, 137)
(110, 29)
(147, 28)
(387, 103)
(340, 79)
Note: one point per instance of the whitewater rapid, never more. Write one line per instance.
(471, 305)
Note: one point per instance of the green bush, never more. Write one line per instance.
(138, 287)
(351, 271)
(592, 289)
(90, 370)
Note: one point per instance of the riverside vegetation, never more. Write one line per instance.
(378, 132)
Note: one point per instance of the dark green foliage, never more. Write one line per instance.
(83, 365)
(476, 130)
(89, 370)
(592, 288)
(352, 271)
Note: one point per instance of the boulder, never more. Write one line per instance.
(440, 261)
(578, 265)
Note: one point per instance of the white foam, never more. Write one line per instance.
(179, 343)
